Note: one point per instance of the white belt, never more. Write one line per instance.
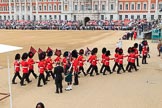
(24, 67)
(41, 67)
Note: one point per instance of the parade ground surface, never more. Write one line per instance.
(141, 89)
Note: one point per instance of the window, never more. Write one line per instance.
(74, 17)
(59, 17)
(22, 8)
(160, 6)
(126, 7)
(159, 16)
(45, 8)
(17, 8)
(40, 8)
(132, 7)
(50, 17)
(23, 17)
(120, 6)
(28, 8)
(132, 16)
(49, 7)
(152, 17)
(55, 8)
(138, 16)
(126, 16)
(12, 8)
(120, 17)
(76, 7)
(28, 17)
(40, 17)
(111, 17)
(82, 7)
(34, 17)
(45, 17)
(34, 8)
(112, 7)
(152, 6)
(138, 7)
(66, 7)
(59, 7)
(102, 17)
(144, 6)
(17, 17)
(65, 17)
(55, 17)
(96, 7)
(103, 7)
(144, 16)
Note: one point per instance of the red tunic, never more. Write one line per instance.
(135, 34)
(57, 59)
(81, 61)
(94, 60)
(31, 63)
(133, 57)
(103, 58)
(49, 63)
(106, 61)
(129, 58)
(64, 61)
(144, 51)
(17, 66)
(41, 66)
(75, 64)
(25, 66)
(120, 59)
(116, 57)
(90, 59)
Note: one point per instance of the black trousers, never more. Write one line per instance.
(25, 76)
(116, 64)
(137, 61)
(94, 68)
(132, 66)
(88, 70)
(128, 65)
(32, 71)
(81, 69)
(102, 67)
(107, 68)
(144, 59)
(48, 74)
(120, 67)
(76, 81)
(41, 77)
(58, 83)
(17, 74)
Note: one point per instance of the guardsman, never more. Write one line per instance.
(25, 69)
(81, 61)
(49, 65)
(94, 61)
(89, 60)
(133, 56)
(75, 66)
(31, 63)
(116, 59)
(103, 58)
(58, 54)
(129, 58)
(136, 52)
(107, 63)
(16, 68)
(144, 53)
(41, 67)
(120, 61)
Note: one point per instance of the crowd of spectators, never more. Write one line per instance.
(125, 24)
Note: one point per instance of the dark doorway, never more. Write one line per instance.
(86, 19)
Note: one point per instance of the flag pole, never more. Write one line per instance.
(9, 80)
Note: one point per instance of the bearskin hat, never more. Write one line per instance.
(74, 53)
(50, 53)
(144, 43)
(129, 50)
(81, 52)
(24, 56)
(117, 50)
(107, 53)
(58, 52)
(42, 56)
(31, 54)
(66, 53)
(94, 51)
(136, 45)
(120, 51)
(17, 56)
(103, 50)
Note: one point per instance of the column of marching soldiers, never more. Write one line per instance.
(73, 64)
